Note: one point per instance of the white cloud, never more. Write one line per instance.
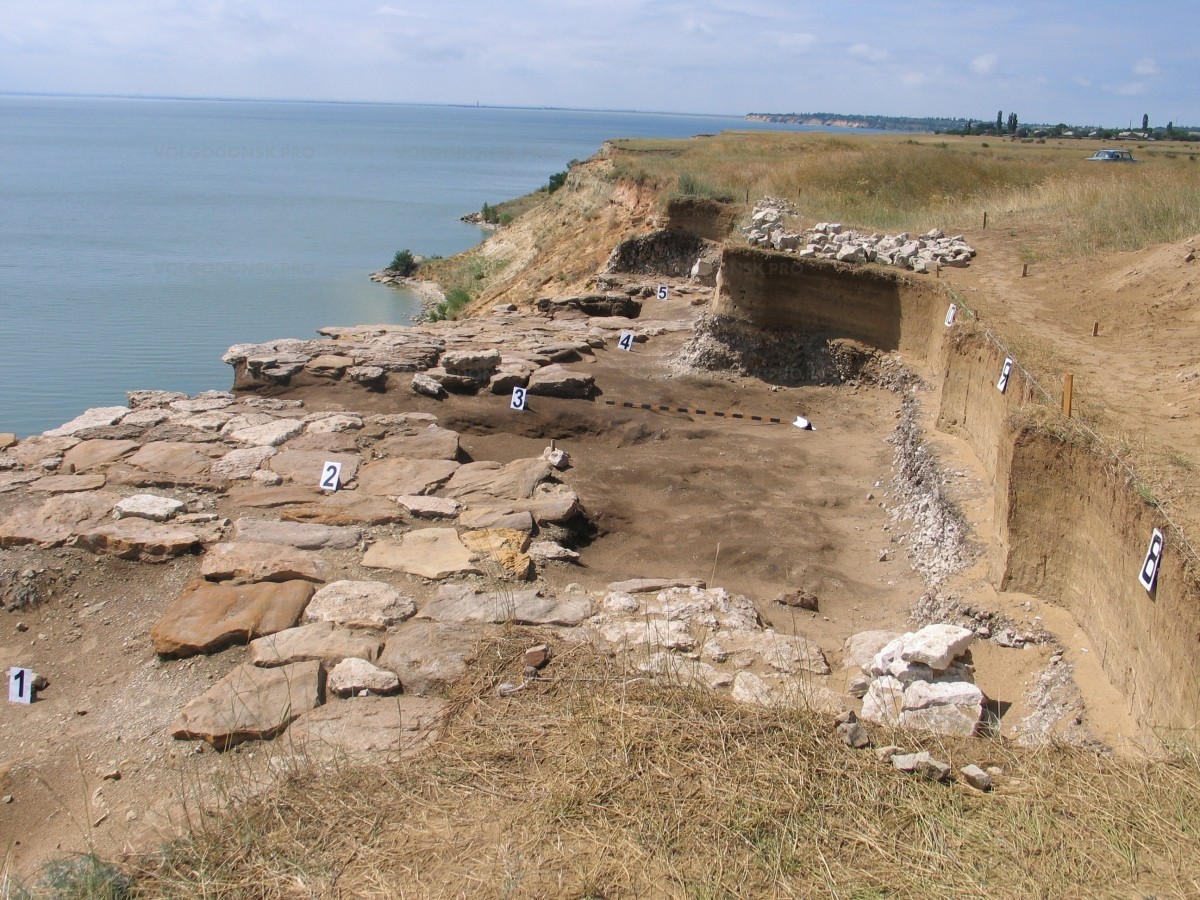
(1129, 89)
(1146, 67)
(914, 79)
(985, 64)
(869, 53)
(1081, 81)
(798, 41)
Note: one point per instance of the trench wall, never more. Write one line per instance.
(1068, 527)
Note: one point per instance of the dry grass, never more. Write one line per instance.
(891, 183)
(590, 785)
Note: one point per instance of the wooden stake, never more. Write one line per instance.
(1068, 385)
(1095, 329)
(1024, 269)
(985, 220)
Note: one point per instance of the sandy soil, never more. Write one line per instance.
(759, 509)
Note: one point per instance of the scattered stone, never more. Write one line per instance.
(854, 735)
(434, 553)
(976, 777)
(360, 604)
(559, 381)
(883, 701)
(251, 703)
(862, 647)
(353, 675)
(798, 599)
(537, 656)
(557, 458)
(543, 551)
(249, 561)
(423, 384)
(885, 754)
(207, 617)
(922, 764)
(321, 641)
(139, 539)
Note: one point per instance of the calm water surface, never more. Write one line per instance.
(141, 238)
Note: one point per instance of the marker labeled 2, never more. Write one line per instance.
(331, 476)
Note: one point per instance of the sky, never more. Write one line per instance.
(1098, 62)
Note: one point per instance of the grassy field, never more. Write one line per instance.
(893, 183)
(589, 786)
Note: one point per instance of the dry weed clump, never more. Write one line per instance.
(593, 783)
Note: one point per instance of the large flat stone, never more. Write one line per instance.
(303, 535)
(432, 442)
(57, 519)
(399, 477)
(271, 433)
(346, 508)
(362, 604)
(355, 675)
(427, 553)
(251, 703)
(483, 481)
(92, 418)
(321, 641)
(244, 561)
(208, 617)
(240, 464)
(178, 459)
(87, 456)
(149, 506)
(430, 656)
(304, 466)
(370, 727)
(68, 484)
(461, 603)
(140, 539)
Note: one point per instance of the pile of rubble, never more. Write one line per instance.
(829, 240)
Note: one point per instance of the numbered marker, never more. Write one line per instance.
(626, 341)
(1002, 384)
(20, 685)
(803, 424)
(1149, 573)
(662, 292)
(518, 399)
(331, 476)
(950, 313)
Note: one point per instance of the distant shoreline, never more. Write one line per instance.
(429, 294)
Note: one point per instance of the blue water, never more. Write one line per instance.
(141, 238)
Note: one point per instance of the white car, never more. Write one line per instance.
(1111, 156)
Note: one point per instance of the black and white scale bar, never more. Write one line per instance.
(657, 407)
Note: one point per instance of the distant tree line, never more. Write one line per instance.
(1002, 126)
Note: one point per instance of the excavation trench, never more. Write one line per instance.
(1067, 526)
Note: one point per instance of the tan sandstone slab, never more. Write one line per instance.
(483, 481)
(68, 484)
(398, 477)
(361, 604)
(208, 617)
(304, 466)
(57, 519)
(370, 726)
(302, 535)
(461, 603)
(432, 442)
(345, 508)
(427, 553)
(322, 641)
(179, 459)
(251, 703)
(430, 656)
(96, 454)
(244, 561)
(139, 539)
